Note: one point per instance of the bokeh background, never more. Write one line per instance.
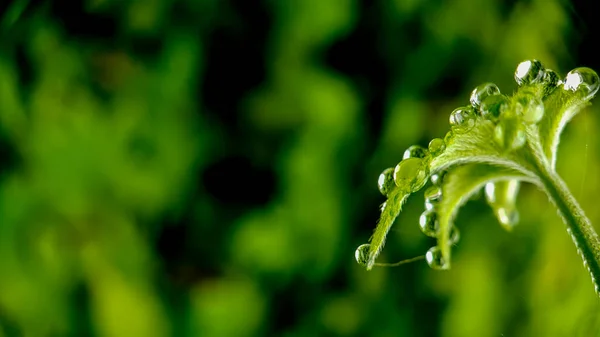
(207, 168)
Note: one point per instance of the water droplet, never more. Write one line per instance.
(508, 218)
(429, 205)
(531, 108)
(483, 91)
(386, 183)
(509, 135)
(492, 106)
(433, 194)
(415, 151)
(454, 235)
(362, 254)
(449, 138)
(528, 72)
(435, 260)
(382, 207)
(438, 178)
(429, 224)
(436, 146)
(490, 193)
(583, 80)
(550, 78)
(462, 119)
(411, 174)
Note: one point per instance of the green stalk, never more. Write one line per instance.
(578, 225)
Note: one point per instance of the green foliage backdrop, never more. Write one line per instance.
(207, 168)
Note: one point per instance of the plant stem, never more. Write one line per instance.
(578, 225)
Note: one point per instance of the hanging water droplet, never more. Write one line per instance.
(528, 72)
(428, 223)
(454, 235)
(435, 260)
(362, 254)
(436, 146)
(509, 134)
(481, 92)
(415, 151)
(429, 205)
(508, 218)
(490, 193)
(438, 178)
(386, 183)
(411, 174)
(462, 119)
(433, 194)
(583, 80)
(492, 106)
(530, 108)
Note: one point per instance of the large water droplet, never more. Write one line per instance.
(492, 106)
(528, 72)
(362, 254)
(386, 183)
(530, 108)
(583, 80)
(462, 119)
(429, 224)
(411, 174)
(509, 134)
(436, 146)
(481, 92)
(435, 260)
(415, 151)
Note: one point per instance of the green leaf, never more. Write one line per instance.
(458, 186)
(498, 142)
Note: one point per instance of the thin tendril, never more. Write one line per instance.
(414, 259)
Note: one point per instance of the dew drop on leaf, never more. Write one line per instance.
(508, 218)
(550, 78)
(436, 146)
(411, 174)
(438, 178)
(449, 138)
(435, 260)
(362, 254)
(433, 194)
(386, 183)
(481, 92)
(528, 72)
(415, 151)
(429, 224)
(462, 119)
(583, 80)
(454, 235)
(429, 205)
(492, 106)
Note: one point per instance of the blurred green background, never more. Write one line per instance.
(207, 168)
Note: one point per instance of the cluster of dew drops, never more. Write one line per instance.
(487, 103)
